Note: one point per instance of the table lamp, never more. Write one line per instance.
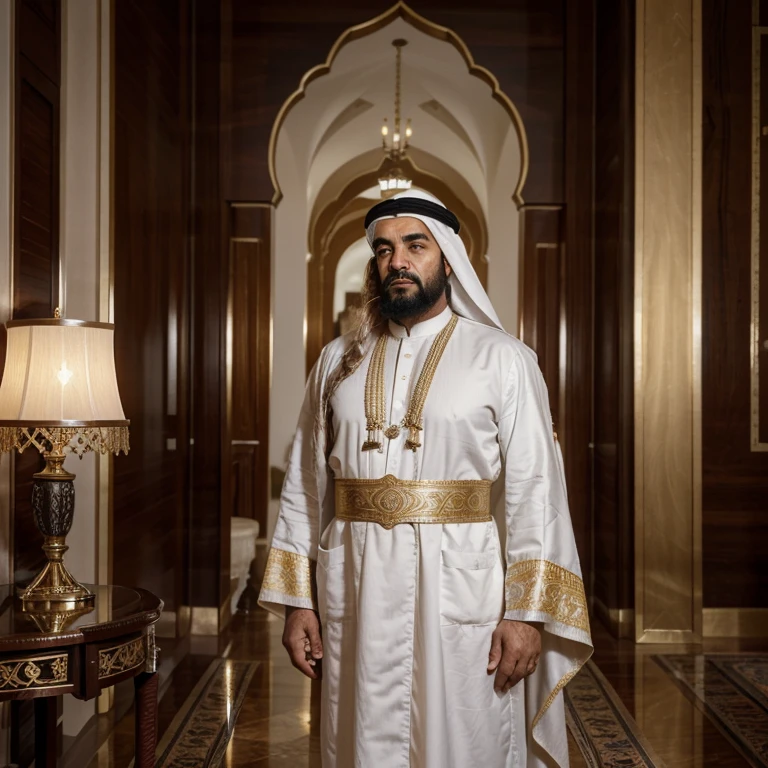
(59, 394)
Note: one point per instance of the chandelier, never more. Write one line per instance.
(395, 144)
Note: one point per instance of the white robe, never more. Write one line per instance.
(407, 614)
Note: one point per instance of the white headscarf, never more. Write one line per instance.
(468, 297)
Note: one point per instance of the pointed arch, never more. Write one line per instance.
(405, 12)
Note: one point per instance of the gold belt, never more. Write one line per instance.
(390, 501)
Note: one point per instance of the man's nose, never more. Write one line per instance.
(399, 259)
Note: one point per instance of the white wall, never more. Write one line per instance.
(84, 248)
(289, 291)
(503, 236)
(350, 272)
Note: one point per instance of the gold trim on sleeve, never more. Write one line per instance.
(545, 587)
(289, 574)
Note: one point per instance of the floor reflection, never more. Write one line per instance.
(277, 716)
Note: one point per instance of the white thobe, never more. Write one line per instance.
(407, 614)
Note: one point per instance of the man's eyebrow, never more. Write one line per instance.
(415, 236)
(382, 241)
(406, 239)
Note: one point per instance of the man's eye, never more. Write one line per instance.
(382, 253)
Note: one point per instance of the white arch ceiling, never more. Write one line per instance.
(459, 126)
(454, 116)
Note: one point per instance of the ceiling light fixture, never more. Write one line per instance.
(395, 145)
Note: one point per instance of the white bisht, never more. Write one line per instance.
(407, 614)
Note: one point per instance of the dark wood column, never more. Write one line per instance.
(613, 452)
(35, 256)
(151, 290)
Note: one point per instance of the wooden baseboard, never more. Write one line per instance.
(620, 622)
(735, 622)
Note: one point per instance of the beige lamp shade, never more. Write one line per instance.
(60, 373)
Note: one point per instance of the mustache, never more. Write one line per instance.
(401, 275)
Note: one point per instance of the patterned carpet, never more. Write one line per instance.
(200, 732)
(607, 735)
(604, 731)
(732, 690)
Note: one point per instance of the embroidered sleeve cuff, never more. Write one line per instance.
(289, 579)
(539, 590)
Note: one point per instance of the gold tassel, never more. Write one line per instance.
(413, 441)
(372, 443)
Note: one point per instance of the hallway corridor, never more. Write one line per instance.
(275, 711)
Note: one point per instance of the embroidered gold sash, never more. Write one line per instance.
(390, 501)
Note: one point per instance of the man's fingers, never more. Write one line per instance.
(315, 642)
(506, 669)
(298, 656)
(494, 657)
(514, 678)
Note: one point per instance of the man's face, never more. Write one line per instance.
(411, 267)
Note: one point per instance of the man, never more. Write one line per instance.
(424, 550)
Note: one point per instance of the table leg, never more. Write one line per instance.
(46, 741)
(145, 686)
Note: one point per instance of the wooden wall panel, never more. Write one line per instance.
(211, 466)
(735, 479)
(613, 307)
(273, 44)
(250, 288)
(35, 256)
(576, 421)
(542, 292)
(150, 282)
(36, 219)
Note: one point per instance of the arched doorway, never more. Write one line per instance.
(468, 148)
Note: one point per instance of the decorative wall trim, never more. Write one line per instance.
(758, 347)
(668, 193)
(8, 74)
(735, 622)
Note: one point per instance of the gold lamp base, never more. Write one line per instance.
(54, 588)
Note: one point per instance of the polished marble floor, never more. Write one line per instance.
(277, 723)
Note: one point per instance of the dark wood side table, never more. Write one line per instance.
(43, 656)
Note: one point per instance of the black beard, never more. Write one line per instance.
(398, 305)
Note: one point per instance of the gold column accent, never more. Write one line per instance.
(668, 594)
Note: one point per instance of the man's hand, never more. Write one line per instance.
(515, 649)
(301, 638)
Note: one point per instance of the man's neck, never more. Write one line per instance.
(437, 308)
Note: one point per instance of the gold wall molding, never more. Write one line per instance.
(758, 331)
(7, 112)
(735, 622)
(667, 332)
(403, 11)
